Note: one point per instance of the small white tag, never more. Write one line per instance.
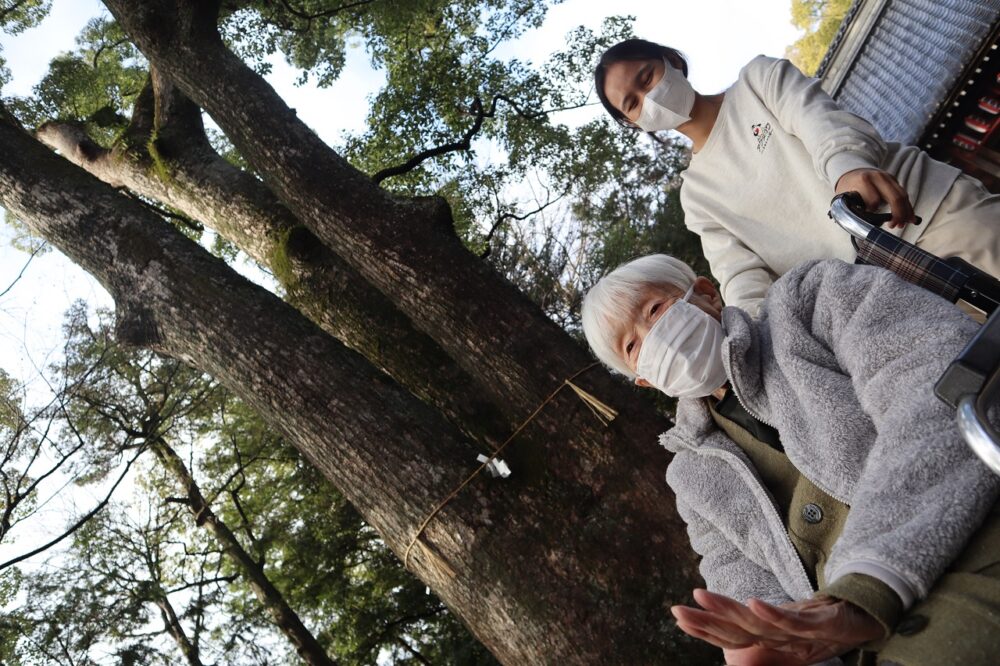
(496, 466)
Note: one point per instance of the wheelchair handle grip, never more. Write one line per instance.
(848, 211)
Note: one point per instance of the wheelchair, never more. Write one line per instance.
(971, 383)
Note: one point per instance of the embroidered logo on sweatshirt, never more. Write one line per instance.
(762, 132)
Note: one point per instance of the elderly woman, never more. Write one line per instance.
(828, 492)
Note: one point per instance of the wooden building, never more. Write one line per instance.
(924, 72)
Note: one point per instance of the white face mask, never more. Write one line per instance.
(668, 104)
(682, 353)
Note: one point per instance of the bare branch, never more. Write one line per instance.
(79, 523)
(24, 268)
(511, 216)
(203, 582)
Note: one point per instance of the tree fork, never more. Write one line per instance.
(391, 243)
(198, 182)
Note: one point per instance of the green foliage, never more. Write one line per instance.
(16, 16)
(23, 238)
(109, 588)
(820, 20)
(94, 85)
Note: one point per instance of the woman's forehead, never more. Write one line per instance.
(619, 79)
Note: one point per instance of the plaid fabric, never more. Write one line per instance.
(910, 263)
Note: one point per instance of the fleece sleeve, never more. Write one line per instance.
(922, 492)
(838, 141)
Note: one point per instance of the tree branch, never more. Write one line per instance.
(106, 47)
(193, 225)
(79, 523)
(24, 268)
(465, 143)
(203, 582)
(511, 216)
(330, 12)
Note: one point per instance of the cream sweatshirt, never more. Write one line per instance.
(758, 191)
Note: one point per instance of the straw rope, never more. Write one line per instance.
(603, 412)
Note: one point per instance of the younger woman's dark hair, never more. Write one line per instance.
(631, 49)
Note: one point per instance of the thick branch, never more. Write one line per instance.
(317, 281)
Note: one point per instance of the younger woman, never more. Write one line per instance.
(768, 155)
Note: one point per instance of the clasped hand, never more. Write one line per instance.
(793, 634)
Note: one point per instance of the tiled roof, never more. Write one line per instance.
(910, 60)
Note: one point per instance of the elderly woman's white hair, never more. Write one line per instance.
(611, 304)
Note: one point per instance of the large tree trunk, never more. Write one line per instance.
(405, 248)
(574, 559)
(167, 157)
(287, 620)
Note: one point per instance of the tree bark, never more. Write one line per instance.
(167, 157)
(408, 250)
(574, 559)
(288, 621)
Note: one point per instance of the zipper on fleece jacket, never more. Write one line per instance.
(757, 489)
(773, 515)
(739, 398)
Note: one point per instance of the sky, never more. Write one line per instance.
(717, 36)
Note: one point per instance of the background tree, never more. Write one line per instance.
(820, 19)
(538, 547)
(125, 575)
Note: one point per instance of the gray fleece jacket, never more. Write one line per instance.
(842, 362)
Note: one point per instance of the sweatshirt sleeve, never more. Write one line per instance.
(870, 595)
(838, 141)
(743, 276)
(921, 492)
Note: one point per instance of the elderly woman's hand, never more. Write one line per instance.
(759, 634)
